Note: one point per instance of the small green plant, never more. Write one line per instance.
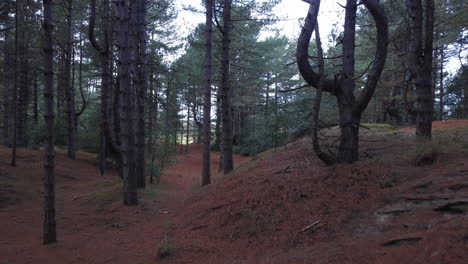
(165, 248)
(378, 126)
(252, 212)
(396, 172)
(154, 170)
(387, 184)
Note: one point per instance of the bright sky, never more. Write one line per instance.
(290, 12)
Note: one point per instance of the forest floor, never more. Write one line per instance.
(405, 201)
(92, 224)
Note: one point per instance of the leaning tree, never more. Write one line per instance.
(343, 85)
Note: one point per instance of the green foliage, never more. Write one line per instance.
(165, 248)
(456, 92)
(154, 169)
(88, 134)
(378, 126)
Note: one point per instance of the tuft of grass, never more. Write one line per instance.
(165, 249)
(378, 126)
(388, 184)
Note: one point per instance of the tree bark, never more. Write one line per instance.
(23, 95)
(69, 89)
(187, 129)
(141, 90)
(127, 105)
(327, 159)
(36, 102)
(109, 131)
(6, 90)
(49, 163)
(228, 163)
(16, 87)
(348, 148)
(350, 107)
(420, 63)
(153, 118)
(207, 74)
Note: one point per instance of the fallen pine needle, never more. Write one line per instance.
(311, 225)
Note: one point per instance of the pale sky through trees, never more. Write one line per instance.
(290, 13)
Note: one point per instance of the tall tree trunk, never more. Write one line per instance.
(420, 63)
(207, 75)
(6, 90)
(348, 149)
(228, 163)
(277, 116)
(109, 125)
(23, 90)
(187, 128)
(142, 89)
(153, 117)
(49, 177)
(36, 102)
(127, 103)
(69, 89)
(15, 91)
(218, 132)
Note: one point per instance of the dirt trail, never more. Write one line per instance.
(92, 224)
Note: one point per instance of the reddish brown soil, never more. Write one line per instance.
(382, 209)
(92, 224)
(449, 124)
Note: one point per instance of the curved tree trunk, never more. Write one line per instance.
(350, 107)
(327, 159)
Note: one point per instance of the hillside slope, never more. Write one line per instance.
(92, 224)
(406, 201)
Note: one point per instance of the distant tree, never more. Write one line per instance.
(457, 94)
(343, 86)
(49, 174)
